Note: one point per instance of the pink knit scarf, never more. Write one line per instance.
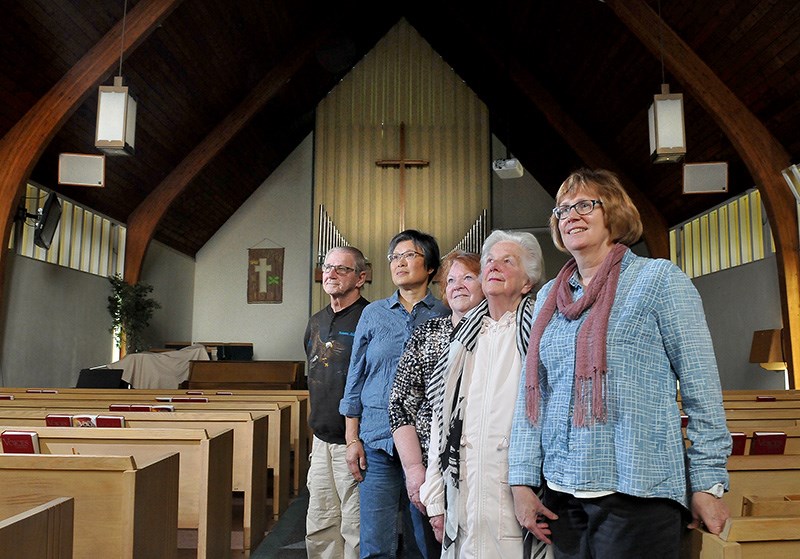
(590, 359)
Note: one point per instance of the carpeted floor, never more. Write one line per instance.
(286, 540)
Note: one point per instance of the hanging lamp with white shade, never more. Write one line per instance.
(667, 132)
(116, 112)
(665, 118)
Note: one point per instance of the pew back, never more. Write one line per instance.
(204, 494)
(763, 474)
(279, 433)
(296, 399)
(42, 532)
(792, 436)
(122, 509)
(246, 374)
(249, 430)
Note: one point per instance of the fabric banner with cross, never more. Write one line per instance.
(265, 275)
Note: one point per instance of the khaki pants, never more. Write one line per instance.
(332, 523)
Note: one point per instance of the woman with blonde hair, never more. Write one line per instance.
(597, 421)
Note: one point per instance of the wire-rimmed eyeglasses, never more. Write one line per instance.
(407, 255)
(341, 270)
(581, 207)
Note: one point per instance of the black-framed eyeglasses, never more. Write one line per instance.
(341, 270)
(581, 207)
(407, 255)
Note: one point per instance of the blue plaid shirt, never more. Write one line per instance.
(657, 334)
(382, 331)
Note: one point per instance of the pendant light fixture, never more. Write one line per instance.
(665, 118)
(116, 111)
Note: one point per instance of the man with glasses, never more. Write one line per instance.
(332, 523)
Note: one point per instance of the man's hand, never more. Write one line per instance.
(531, 513)
(356, 459)
(708, 511)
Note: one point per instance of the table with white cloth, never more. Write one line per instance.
(167, 369)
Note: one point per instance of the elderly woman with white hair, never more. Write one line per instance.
(466, 491)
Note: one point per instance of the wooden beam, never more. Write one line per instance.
(23, 145)
(143, 221)
(764, 156)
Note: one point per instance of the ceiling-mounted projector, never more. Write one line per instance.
(507, 168)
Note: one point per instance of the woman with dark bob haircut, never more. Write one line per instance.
(597, 423)
(382, 331)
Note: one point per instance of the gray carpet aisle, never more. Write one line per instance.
(286, 540)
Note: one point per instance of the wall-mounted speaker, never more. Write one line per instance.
(82, 169)
(705, 178)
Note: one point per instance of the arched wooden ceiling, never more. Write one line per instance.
(207, 56)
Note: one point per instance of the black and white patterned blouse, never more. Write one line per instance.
(408, 403)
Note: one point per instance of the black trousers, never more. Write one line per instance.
(617, 526)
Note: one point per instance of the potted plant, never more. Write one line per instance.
(131, 310)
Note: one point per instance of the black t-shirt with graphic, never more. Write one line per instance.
(328, 343)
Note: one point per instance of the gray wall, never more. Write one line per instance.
(55, 324)
(278, 214)
(739, 301)
(172, 276)
(56, 321)
(523, 204)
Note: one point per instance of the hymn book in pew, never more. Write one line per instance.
(768, 442)
(58, 420)
(92, 420)
(739, 441)
(20, 442)
(140, 407)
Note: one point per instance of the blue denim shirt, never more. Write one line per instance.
(657, 335)
(382, 331)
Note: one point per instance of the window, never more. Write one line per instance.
(733, 233)
(84, 240)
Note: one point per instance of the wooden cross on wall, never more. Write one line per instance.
(402, 163)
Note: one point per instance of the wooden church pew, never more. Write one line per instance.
(279, 435)
(204, 494)
(755, 405)
(752, 537)
(298, 400)
(761, 474)
(761, 424)
(123, 509)
(731, 395)
(792, 436)
(249, 450)
(41, 532)
(772, 419)
(752, 395)
(747, 538)
(208, 375)
(769, 527)
(762, 414)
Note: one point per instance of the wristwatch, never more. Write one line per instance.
(717, 490)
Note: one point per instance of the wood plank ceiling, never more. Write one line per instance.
(208, 55)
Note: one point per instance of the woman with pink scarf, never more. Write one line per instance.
(597, 425)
